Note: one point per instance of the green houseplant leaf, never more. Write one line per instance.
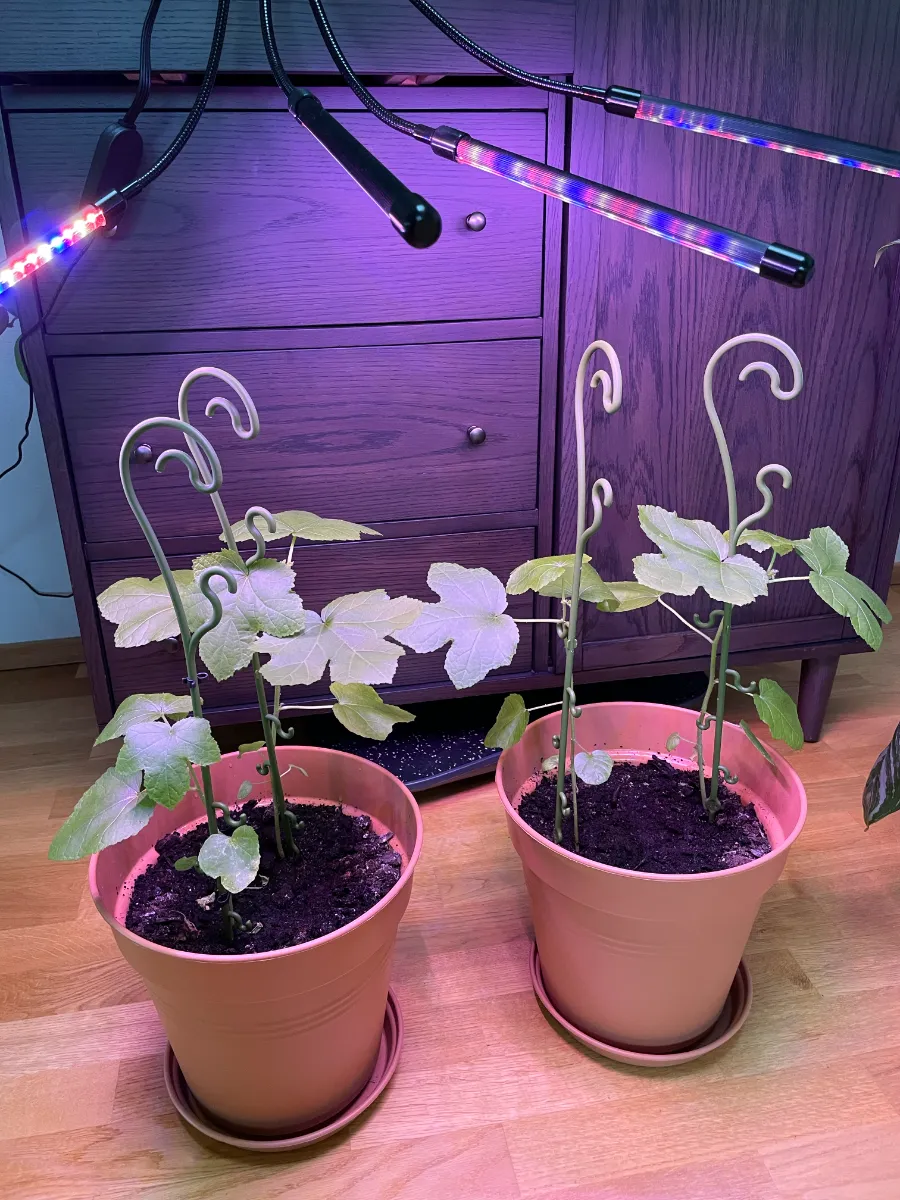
(234, 859)
(111, 810)
(350, 635)
(553, 577)
(658, 574)
(165, 753)
(697, 549)
(136, 709)
(760, 540)
(881, 795)
(511, 723)
(265, 602)
(141, 608)
(360, 709)
(307, 527)
(471, 616)
(779, 712)
(826, 553)
(629, 596)
(593, 766)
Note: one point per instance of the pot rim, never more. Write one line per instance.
(225, 959)
(781, 763)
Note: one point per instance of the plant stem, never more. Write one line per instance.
(725, 632)
(789, 579)
(704, 712)
(684, 621)
(574, 784)
(306, 707)
(540, 707)
(282, 829)
(536, 620)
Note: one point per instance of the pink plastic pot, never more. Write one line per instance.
(272, 1044)
(640, 960)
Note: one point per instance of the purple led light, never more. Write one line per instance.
(773, 137)
(713, 240)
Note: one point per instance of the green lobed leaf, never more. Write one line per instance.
(881, 795)
(852, 598)
(142, 609)
(697, 551)
(249, 747)
(350, 637)
(265, 602)
(658, 575)
(165, 753)
(111, 810)
(760, 540)
(594, 766)
(823, 550)
(553, 576)
(360, 709)
(234, 859)
(756, 742)
(511, 723)
(779, 712)
(471, 616)
(307, 527)
(137, 709)
(629, 596)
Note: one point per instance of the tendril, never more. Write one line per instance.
(735, 678)
(768, 499)
(252, 516)
(280, 731)
(716, 615)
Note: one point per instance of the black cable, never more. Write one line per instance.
(272, 54)
(421, 133)
(24, 438)
(143, 89)
(206, 86)
(502, 67)
(32, 588)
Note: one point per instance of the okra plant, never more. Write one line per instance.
(693, 557)
(228, 611)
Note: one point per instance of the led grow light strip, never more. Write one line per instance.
(761, 133)
(770, 260)
(20, 266)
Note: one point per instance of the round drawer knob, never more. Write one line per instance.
(476, 221)
(476, 435)
(142, 453)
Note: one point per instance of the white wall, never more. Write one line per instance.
(30, 540)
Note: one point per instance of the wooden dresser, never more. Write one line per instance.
(370, 362)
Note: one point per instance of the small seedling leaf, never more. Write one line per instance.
(245, 789)
(138, 709)
(165, 753)
(360, 709)
(249, 747)
(779, 712)
(553, 577)
(471, 616)
(881, 795)
(185, 864)
(673, 741)
(550, 764)
(350, 635)
(112, 809)
(234, 859)
(511, 722)
(756, 742)
(307, 527)
(594, 766)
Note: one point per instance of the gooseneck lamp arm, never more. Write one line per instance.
(768, 259)
(628, 102)
(417, 222)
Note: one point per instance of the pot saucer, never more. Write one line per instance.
(385, 1066)
(729, 1021)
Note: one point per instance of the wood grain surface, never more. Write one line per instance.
(490, 1102)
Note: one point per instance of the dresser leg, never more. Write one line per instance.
(816, 678)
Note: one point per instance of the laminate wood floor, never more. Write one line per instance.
(490, 1102)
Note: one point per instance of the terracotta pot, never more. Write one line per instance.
(272, 1044)
(641, 960)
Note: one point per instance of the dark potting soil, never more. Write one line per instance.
(343, 867)
(649, 817)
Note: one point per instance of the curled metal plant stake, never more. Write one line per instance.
(601, 497)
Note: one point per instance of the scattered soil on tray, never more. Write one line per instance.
(343, 868)
(649, 817)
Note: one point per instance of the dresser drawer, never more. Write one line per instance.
(375, 433)
(256, 225)
(323, 573)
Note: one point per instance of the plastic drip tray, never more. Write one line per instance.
(445, 743)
